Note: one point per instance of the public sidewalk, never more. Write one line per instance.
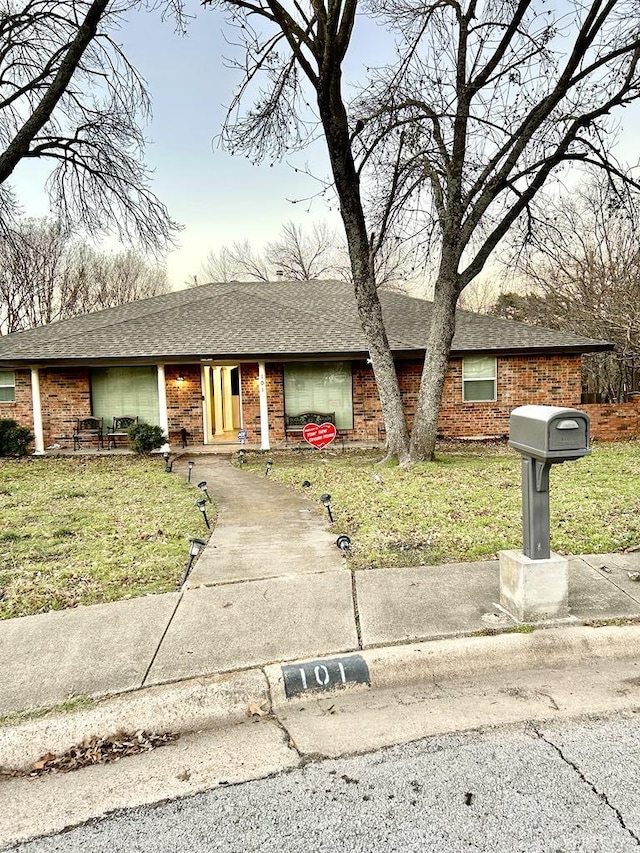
(271, 587)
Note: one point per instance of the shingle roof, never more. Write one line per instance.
(239, 320)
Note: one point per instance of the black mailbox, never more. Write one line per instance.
(549, 432)
(544, 435)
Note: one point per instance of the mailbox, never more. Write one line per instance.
(549, 433)
(544, 435)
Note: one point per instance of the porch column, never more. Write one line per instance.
(217, 401)
(205, 384)
(38, 431)
(228, 399)
(162, 406)
(264, 409)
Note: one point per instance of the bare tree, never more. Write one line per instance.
(238, 262)
(301, 57)
(69, 96)
(582, 274)
(46, 275)
(305, 255)
(455, 141)
(487, 104)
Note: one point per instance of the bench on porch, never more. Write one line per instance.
(120, 429)
(87, 429)
(296, 423)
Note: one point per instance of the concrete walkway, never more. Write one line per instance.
(271, 586)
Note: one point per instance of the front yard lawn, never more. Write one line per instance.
(90, 530)
(466, 506)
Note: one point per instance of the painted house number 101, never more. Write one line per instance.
(327, 674)
(322, 675)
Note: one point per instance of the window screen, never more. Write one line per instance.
(7, 386)
(118, 391)
(478, 380)
(320, 386)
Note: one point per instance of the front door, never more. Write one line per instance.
(222, 385)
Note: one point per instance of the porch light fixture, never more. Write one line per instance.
(194, 549)
(201, 503)
(180, 379)
(203, 487)
(190, 463)
(325, 500)
(344, 543)
(268, 467)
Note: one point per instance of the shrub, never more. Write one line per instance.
(145, 437)
(14, 439)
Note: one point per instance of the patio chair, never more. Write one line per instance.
(86, 429)
(120, 429)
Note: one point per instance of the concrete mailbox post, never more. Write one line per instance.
(533, 583)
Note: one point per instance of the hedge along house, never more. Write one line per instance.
(245, 355)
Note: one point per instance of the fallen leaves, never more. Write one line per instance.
(257, 709)
(101, 750)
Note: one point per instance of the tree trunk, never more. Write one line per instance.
(425, 422)
(347, 182)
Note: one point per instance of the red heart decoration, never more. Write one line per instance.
(319, 435)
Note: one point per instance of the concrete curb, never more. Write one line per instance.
(466, 657)
(206, 703)
(187, 706)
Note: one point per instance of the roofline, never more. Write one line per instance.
(238, 358)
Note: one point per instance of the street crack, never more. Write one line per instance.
(600, 794)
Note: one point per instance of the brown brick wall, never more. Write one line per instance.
(615, 422)
(250, 400)
(184, 402)
(553, 380)
(521, 380)
(65, 395)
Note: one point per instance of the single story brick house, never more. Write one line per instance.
(219, 358)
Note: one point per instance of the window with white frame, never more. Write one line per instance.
(479, 379)
(7, 386)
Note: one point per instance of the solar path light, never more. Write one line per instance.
(325, 500)
(168, 462)
(268, 467)
(190, 465)
(201, 503)
(344, 543)
(203, 488)
(196, 545)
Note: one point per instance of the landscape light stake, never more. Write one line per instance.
(326, 501)
(344, 543)
(203, 487)
(268, 468)
(190, 463)
(168, 462)
(201, 503)
(194, 549)
(242, 456)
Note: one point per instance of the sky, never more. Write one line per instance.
(219, 198)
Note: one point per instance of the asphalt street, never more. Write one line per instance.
(530, 788)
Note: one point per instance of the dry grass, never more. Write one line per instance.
(89, 530)
(466, 506)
